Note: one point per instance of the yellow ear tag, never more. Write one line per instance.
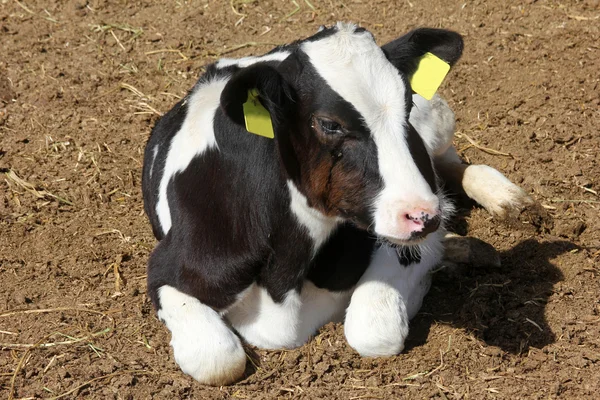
(258, 119)
(429, 75)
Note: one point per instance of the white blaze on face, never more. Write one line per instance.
(356, 68)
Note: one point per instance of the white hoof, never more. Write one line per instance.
(376, 321)
(204, 346)
(498, 195)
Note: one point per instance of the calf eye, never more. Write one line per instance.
(330, 127)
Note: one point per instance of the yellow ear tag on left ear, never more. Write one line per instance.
(429, 75)
(257, 118)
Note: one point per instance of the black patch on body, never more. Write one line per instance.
(343, 259)
(232, 225)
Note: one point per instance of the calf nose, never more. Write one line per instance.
(422, 223)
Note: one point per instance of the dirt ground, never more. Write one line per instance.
(82, 83)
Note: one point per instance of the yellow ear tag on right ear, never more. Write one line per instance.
(429, 75)
(257, 118)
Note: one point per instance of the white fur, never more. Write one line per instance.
(486, 185)
(434, 120)
(195, 136)
(203, 345)
(387, 296)
(247, 61)
(270, 325)
(318, 225)
(356, 68)
(154, 154)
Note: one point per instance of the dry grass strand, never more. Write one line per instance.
(480, 147)
(40, 194)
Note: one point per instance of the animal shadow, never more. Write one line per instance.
(504, 306)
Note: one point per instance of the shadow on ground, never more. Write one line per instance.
(503, 306)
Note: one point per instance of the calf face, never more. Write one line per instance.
(340, 106)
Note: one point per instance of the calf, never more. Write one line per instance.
(338, 217)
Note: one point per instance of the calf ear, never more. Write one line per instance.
(275, 94)
(406, 51)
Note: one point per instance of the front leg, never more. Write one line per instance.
(204, 346)
(283, 309)
(387, 296)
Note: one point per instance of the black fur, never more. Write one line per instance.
(408, 255)
(405, 51)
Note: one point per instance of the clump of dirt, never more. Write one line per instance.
(82, 83)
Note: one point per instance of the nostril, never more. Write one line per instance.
(418, 220)
(418, 217)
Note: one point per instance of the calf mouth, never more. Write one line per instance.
(415, 238)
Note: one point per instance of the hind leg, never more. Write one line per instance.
(434, 120)
(482, 183)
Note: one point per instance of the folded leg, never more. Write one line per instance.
(203, 345)
(387, 296)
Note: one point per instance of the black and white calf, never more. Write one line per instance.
(337, 218)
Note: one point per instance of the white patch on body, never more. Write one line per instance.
(269, 325)
(434, 121)
(195, 136)
(387, 296)
(356, 68)
(154, 154)
(203, 345)
(318, 225)
(247, 61)
(197, 133)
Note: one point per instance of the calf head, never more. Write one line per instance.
(340, 106)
